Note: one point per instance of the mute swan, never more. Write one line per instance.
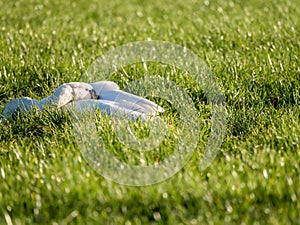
(104, 95)
(64, 94)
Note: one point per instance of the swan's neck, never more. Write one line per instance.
(48, 101)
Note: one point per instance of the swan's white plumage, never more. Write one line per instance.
(103, 95)
(110, 91)
(102, 86)
(107, 107)
(69, 92)
(20, 104)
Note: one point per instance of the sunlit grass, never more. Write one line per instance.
(251, 46)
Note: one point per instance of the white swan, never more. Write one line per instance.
(114, 101)
(104, 95)
(62, 96)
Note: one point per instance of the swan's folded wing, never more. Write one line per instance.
(108, 107)
(131, 101)
(107, 90)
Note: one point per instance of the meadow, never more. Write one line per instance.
(251, 46)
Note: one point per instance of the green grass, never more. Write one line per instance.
(252, 47)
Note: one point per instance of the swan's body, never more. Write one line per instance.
(110, 91)
(103, 95)
(107, 107)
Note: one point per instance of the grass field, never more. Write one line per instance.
(253, 48)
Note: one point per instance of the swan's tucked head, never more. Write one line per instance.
(104, 86)
(73, 91)
(19, 105)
